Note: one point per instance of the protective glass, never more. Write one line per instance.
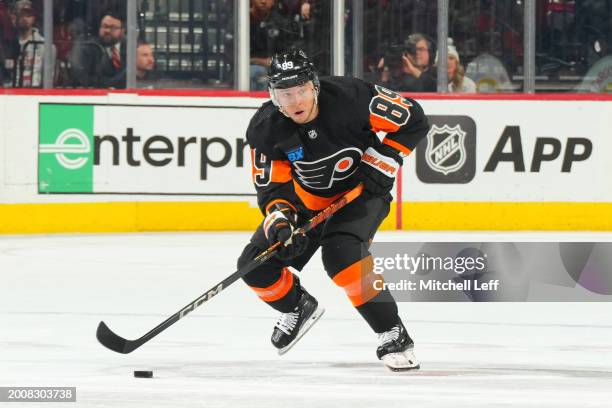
(294, 95)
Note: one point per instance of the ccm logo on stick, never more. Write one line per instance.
(205, 297)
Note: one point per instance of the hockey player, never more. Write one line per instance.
(311, 143)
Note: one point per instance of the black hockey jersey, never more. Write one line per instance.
(315, 163)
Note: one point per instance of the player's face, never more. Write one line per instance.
(298, 102)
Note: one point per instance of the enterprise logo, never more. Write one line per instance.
(65, 144)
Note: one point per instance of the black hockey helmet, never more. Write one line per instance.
(291, 69)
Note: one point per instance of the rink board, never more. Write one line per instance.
(92, 161)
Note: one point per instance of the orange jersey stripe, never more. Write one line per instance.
(383, 124)
(281, 171)
(357, 280)
(313, 201)
(397, 146)
(278, 289)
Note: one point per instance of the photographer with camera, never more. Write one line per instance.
(409, 67)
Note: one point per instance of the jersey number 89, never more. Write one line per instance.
(390, 106)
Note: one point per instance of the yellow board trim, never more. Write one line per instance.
(127, 217)
(486, 216)
(240, 216)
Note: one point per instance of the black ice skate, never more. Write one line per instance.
(396, 349)
(290, 327)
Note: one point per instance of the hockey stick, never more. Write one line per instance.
(117, 343)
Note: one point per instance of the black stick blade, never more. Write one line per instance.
(112, 341)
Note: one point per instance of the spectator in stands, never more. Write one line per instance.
(63, 34)
(29, 64)
(100, 62)
(7, 40)
(457, 81)
(302, 30)
(301, 8)
(145, 64)
(145, 61)
(413, 69)
(267, 24)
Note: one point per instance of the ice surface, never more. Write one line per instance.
(55, 289)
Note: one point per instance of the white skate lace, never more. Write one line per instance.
(389, 336)
(286, 322)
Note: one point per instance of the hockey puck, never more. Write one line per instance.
(143, 374)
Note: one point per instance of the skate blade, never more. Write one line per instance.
(305, 327)
(403, 361)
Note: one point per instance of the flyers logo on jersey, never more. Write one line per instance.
(321, 174)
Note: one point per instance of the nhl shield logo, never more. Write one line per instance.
(446, 151)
